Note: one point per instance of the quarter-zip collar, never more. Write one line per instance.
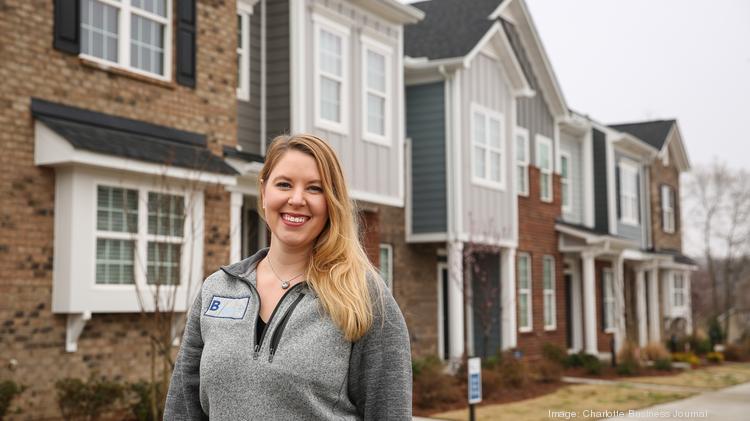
(240, 269)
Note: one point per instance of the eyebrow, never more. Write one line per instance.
(283, 177)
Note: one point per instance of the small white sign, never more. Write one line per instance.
(475, 380)
(227, 307)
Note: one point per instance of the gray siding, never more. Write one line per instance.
(486, 211)
(277, 68)
(425, 125)
(573, 147)
(601, 208)
(248, 112)
(632, 232)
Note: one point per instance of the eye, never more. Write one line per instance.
(316, 189)
(283, 185)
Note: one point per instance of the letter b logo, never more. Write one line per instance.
(215, 305)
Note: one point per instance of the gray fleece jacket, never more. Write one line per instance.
(301, 368)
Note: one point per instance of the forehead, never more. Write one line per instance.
(295, 164)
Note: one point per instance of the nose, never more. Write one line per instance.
(296, 198)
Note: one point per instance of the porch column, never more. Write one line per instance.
(235, 227)
(589, 304)
(619, 266)
(577, 308)
(640, 296)
(456, 299)
(508, 296)
(688, 302)
(654, 324)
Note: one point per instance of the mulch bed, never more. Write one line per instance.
(609, 373)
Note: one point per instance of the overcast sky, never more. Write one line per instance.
(630, 60)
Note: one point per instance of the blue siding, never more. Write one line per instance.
(425, 125)
(601, 209)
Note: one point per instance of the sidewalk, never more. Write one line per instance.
(730, 404)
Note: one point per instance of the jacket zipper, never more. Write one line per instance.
(276, 338)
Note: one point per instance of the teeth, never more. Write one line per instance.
(295, 219)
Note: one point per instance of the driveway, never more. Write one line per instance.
(729, 404)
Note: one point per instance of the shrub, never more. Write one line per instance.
(141, 402)
(8, 390)
(655, 351)
(687, 357)
(575, 360)
(715, 357)
(554, 353)
(432, 386)
(87, 399)
(513, 371)
(664, 364)
(628, 361)
(734, 352)
(592, 364)
(548, 371)
(700, 343)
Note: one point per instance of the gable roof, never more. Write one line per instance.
(450, 28)
(652, 132)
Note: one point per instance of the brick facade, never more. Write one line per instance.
(538, 237)
(114, 345)
(661, 174)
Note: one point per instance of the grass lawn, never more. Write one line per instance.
(570, 398)
(713, 377)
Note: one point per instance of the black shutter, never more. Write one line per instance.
(186, 19)
(67, 26)
(675, 208)
(661, 208)
(638, 195)
(617, 194)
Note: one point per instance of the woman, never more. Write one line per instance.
(304, 329)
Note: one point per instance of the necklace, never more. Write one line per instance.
(284, 284)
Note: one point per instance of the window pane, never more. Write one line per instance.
(375, 114)
(375, 71)
(544, 159)
(523, 310)
(522, 180)
(521, 149)
(163, 265)
(548, 274)
(494, 133)
(166, 214)
(564, 166)
(114, 261)
(545, 185)
(523, 267)
(157, 7)
(495, 166)
(330, 91)
(479, 161)
(479, 130)
(99, 30)
(146, 44)
(116, 209)
(330, 53)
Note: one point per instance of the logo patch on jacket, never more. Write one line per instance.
(227, 308)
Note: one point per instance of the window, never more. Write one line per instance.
(678, 290)
(608, 300)
(628, 193)
(525, 323)
(487, 147)
(331, 41)
(243, 50)
(565, 182)
(133, 34)
(548, 281)
(120, 236)
(667, 209)
(376, 76)
(386, 264)
(522, 161)
(544, 162)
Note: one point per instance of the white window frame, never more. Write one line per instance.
(370, 44)
(545, 172)
(668, 209)
(323, 24)
(566, 187)
(526, 291)
(124, 38)
(608, 300)
(680, 292)
(388, 275)
(549, 292)
(522, 185)
(627, 169)
(485, 179)
(244, 11)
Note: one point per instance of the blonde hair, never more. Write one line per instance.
(339, 269)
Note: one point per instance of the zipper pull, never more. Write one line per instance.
(255, 353)
(270, 355)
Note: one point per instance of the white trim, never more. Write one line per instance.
(550, 292)
(488, 115)
(244, 10)
(298, 67)
(611, 182)
(401, 115)
(236, 200)
(545, 172)
(376, 198)
(566, 189)
(516, 76)
(529, 291)
(608, 300)
(321, 23)
(588, 179)
(437, 237)
(668, 217)
(682, 291)
(389, 251)
(628, 168)
(457, 137)
(370, 44)
(524, 134)
(508, 291)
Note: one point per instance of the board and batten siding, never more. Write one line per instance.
(369, 167)
(248, 112)
(277, 68)
(601, 202)
(631, 232)
(486, 211)
(425, 126)
(572, 145)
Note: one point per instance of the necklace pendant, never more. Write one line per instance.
(284, 285)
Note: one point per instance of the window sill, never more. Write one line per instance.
(488, 184)
(629, 222)
(550, 328)
(523, 330)
(119, 71)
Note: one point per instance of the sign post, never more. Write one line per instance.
(475, 384)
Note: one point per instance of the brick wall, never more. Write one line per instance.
(114, 345)
(537, 237)
(669, 175)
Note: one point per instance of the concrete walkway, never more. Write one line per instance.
(729, 404)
